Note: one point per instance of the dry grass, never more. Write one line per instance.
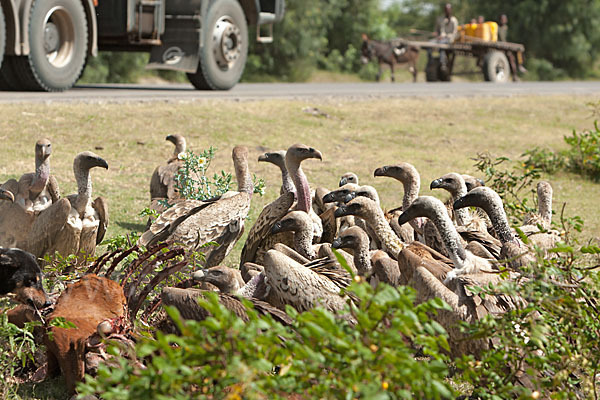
(436, 135)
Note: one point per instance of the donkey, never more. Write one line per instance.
(386, 53)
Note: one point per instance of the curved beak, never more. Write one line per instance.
(381, 171)
(337, 243)
(404, 218)
(7, 195)
(170, 138)
(263, 157)
(329, 197)
(341, 211)
(199, 275)
(277, 227)
(101, 162)
(343, 181)
(435, 184)
(349, 197)
(317, 154)
(462, 202)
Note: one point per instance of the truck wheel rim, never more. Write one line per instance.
(226, 43)
(59, 36)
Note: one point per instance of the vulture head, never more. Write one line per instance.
(293, 221)
(225, 278)
(352, 238)
(472, 182)
(360, 206)
(422, 206)
(43, 149)
(179, 142)
(7, 195)
(20, 274)
(404, 172)
(452, 182)
(299, 152)
(87, 160)
(273, 157)
(365, 191)
(348, 177)
(482, 197)
(340, 194)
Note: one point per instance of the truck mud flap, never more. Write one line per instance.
(180, 49)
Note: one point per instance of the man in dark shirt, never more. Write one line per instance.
(503, 37)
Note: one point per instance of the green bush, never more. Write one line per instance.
(320, 356)
(513, 184)
(582, 157)
(17, 348)
(554, 338)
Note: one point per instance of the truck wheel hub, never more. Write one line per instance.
(226, 42)
(59, 36)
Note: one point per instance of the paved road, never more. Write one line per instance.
(133, 93)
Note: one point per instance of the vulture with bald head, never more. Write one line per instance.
(194, 223)
(77, 223)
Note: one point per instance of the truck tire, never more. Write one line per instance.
(225, 47)
(9, 78)
(496, 67)
(432, 69)
(2, 35)
(57, 46)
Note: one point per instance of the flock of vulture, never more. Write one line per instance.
(441, 250)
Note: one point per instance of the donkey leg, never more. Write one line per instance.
(378, 73)
(413, 69)
(392, 69)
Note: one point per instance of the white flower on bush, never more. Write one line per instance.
(522, 333)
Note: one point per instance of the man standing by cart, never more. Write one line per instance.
(446, 29)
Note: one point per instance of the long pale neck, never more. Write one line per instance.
(303, 242)
(286, 181)
(302, 189)
(243, 177)
(462, 215)
(376, 219)
(495, 211)
(42, 174)
(411, 192)
(449, 236)
(84, 190)
(545, 207)
(362, 261)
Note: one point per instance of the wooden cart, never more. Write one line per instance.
(491, 57)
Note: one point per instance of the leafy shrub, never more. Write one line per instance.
(582, 157)
(320, 356)
(17, 347)
(554, 338)
(513, 185)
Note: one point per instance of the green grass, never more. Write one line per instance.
(436, 135)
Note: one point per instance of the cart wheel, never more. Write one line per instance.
(496, 67)
(432, 69)
(225, 48)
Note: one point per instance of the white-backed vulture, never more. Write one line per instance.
(259, 238)
(33, 193)
(186, 302)
(278, 158)
(348, 177)
(75, 224)
(194, 223)
(464, 261)
(472, 182)
(367, 209)
(305, 287)
(357, 240)
(408, 175)
(513, 250)
(293, 157)
(301, 225)
(162, 183)
(544, 215)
